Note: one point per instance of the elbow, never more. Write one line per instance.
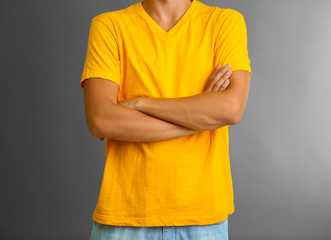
(235, 115)
(108, 129)
(230, 115)
(225, 118)
(234, 119)
(95, 132)
(95, 129)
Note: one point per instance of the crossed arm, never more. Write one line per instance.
(155, 119)
(206, 111)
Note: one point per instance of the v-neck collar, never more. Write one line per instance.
(152, 23)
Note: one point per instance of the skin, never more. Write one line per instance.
(206, 111)
(156, 119)
(95, 87)
(166, 12)
(193, 112)
(196, 112)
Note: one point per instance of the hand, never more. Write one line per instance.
(219, 79)
(130, 103)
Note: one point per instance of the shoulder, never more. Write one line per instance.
(226, 14)
(227, 18)
(115, 16)
(106, 17)
(219, 15)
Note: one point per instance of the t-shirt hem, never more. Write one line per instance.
(161, 221)
(104, 75)
(242, 68)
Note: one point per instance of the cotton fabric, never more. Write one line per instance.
(181, 181)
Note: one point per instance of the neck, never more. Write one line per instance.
(166, 11)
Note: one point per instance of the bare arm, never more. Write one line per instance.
(206, 111)
(107, 119)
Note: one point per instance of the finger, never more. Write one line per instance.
(224, 74)
(212, 77)
(224, 85)
(220, 81)
(221, 86)
(223, 71)
(217, 85)
(217, 69)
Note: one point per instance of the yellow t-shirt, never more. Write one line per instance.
(181, 181)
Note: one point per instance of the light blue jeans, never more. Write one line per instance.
(217, 231)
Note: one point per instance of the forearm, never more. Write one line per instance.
(206, 111)
(126, 124)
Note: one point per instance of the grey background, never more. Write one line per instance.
(51, 168)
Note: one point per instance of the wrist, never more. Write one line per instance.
(139, 103)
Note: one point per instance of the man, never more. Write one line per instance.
(162, 81)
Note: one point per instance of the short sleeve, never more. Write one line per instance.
(102, 57)
(231, 41)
